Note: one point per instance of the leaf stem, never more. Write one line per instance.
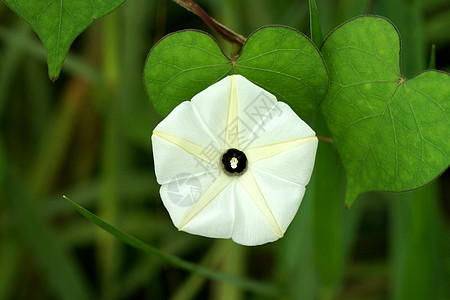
(221, 29)
(325, 139)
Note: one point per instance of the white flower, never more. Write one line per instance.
(233, 163)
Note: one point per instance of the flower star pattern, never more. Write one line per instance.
(233, 163)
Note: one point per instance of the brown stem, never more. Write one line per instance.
(221, 29)
(325, 139)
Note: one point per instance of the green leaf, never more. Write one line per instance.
(58, 23)
(314, 24)
(248, 284)
(391, 132)
(279, 59)
(181, 65)
(285, 62)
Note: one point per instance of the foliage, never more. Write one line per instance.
(184, 63)
(58, 23)
(87, 136)
(390, 131)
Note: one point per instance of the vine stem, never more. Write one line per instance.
(221, 29)
(325, 139)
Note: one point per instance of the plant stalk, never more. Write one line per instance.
(221, 29)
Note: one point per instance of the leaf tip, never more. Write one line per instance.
(351, 195)
(68, 200)
(53, 75)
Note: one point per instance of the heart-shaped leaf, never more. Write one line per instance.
(58, 23)
(279, 59)
(391, 132)
(180, 65)
(286, 63)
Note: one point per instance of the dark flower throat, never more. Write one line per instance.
(234, 161)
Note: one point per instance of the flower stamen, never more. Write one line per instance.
(234, 161)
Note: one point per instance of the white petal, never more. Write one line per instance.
(294, 165)
(251, 228)
(211, 106)
(254, 109)
(232, 127)
(267, 151)
(208, 195)
(211, 157)
(283, 201)
(279, 124)
(171, 160)
(217, 218)
(253, 189)
(183, 122)
(201, 205)
(182, 192)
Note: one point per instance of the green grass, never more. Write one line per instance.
(87, 136)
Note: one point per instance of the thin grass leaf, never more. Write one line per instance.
(245, 283)
(191, 287)
(348, 9)
(10, 64)
(295, 253)
(10, 256)
(416, 245)
(436, 27)
(57, 267)
(135, 186)
(3, 160)
(39, 92)
(55, 141)
(432, 60)
(234, 262)
(112, 159)
(146, 268)
(316, 30)
(328, 205)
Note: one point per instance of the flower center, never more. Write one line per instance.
(234, 161)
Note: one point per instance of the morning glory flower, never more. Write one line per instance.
(233, 163)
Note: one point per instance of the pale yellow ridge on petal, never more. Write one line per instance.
(251, 186)
(188, 146)
(217, 186)
(267, 151)
(232, 130)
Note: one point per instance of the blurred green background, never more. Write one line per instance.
(87, 136)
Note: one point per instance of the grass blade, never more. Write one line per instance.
(328, 205)
(417, 251)
(245, 283)
(295, 254)
(10, 64)
(59, 270)
(113, 152)
(432, 61)
(316, 30)
(9, 272)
